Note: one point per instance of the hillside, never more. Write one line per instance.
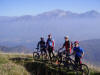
(27, 66)
(7, 67)
(16, 49)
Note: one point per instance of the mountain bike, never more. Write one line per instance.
(66, 62)
(80, 69)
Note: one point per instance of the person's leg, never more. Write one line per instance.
(76, 59)
(68, 52)
(49, 53)
(80, 61)
(45, 53)
(52, 52)
(41, 53)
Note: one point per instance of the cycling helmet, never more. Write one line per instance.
(41, 38)
(76, 42)
(66, 37)
(49, 35)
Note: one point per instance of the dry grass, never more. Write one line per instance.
(9, 68)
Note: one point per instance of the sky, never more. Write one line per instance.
(34, 7)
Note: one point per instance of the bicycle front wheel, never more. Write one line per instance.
(83, 69)
(36, 55)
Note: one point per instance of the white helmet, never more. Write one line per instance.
(66, 37)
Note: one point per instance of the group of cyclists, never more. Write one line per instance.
(48, 46)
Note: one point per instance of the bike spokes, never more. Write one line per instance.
(84, 69)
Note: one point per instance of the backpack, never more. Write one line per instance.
(71, 45)
(51, 43)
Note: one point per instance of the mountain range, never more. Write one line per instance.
(28, 28)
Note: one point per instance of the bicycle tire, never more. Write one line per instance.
(83, 69)
(36, 55)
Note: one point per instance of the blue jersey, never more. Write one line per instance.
(79, 51)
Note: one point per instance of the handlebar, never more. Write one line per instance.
(37, 48)
(64, 52)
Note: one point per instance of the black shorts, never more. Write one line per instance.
(43, 50)
(77, 59)
(50, 49)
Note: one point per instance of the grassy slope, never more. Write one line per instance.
(8, 67)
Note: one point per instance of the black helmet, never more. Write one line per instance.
(41, 38)
(49, 35)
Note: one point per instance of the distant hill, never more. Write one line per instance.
(29, 28)
(92, 51)
(17, 49)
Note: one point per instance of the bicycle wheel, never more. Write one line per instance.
(36, 55)
(83, 70)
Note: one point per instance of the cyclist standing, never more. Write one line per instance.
(50, 45)
(42, 46)
(67, 45)
(78, 52)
